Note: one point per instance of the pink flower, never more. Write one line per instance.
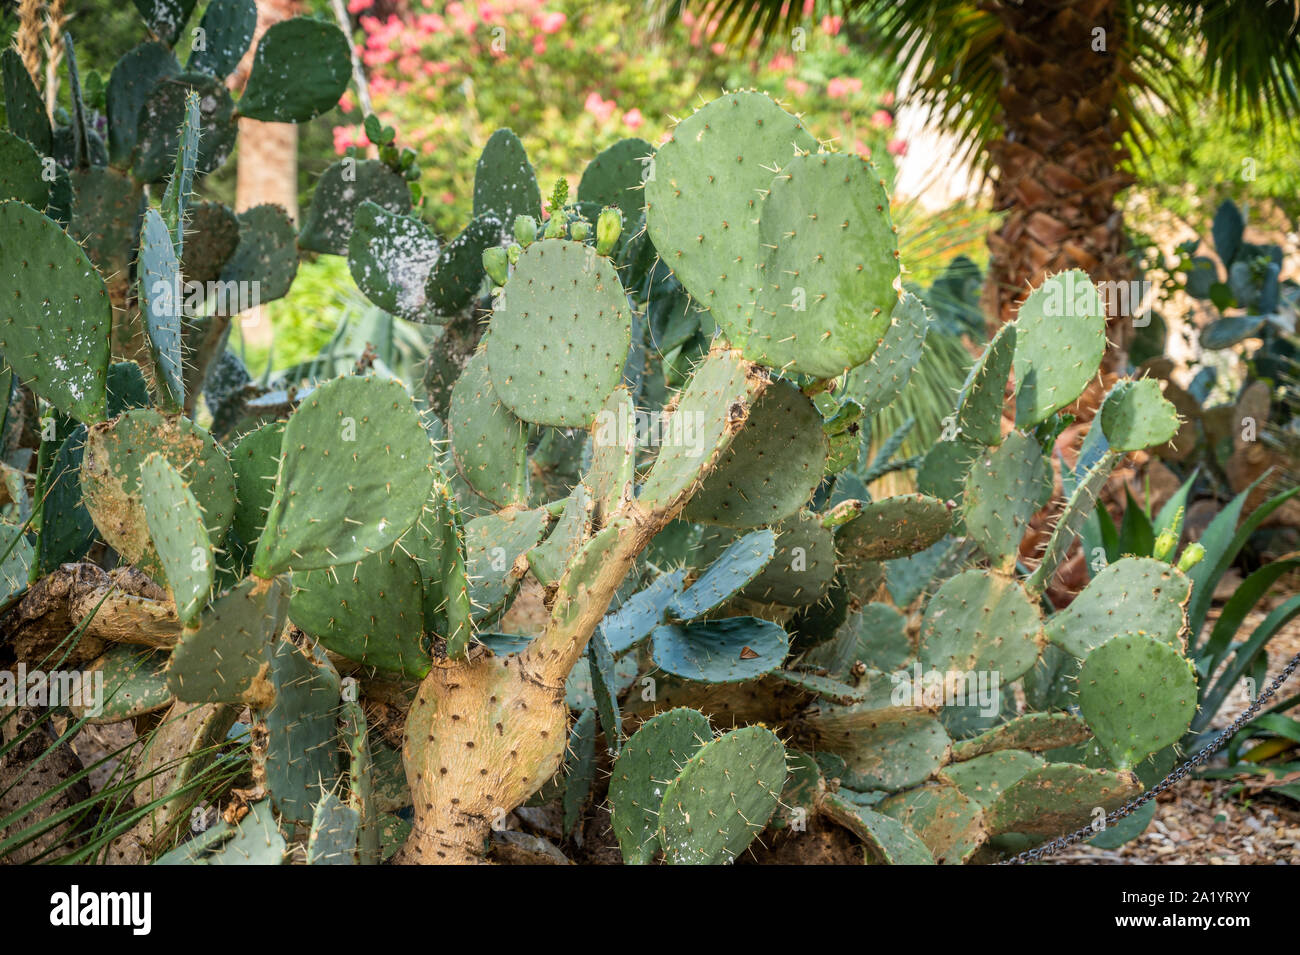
(862, 149)
(633, 119)
(897, 147)
(718, 48)
(842, 86)
(887, 98)
(781, 62)
(832, 25)
(549, 21)
(602, 109)
(356, 6)
(346, 103)
(448, 198)
(882, 119)
(430, 24)
(797, 87)
(342, 139)
(539, 46)
(435, 66)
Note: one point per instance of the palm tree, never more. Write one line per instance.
(1048, 93)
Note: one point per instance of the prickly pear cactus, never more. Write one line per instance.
(640, 431)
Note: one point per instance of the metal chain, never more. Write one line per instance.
(1087, 832)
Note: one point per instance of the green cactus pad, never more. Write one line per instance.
(54, 335)
(110, 478)
(1132, 595)
(1081, 505)
(457, 275)
(356, 474)
(1058, 798)
(1137, 695)
(340, 191)
(771, 468)
(883, 746)
(20, 172)
(488, 443)
(161, 116)
(876, 383)
(161, 303)
(134, 684)
(734, 568)
(390, 257)
(949, 823)
(559, 335)
(1135, 415)
(67, 532)
(723, 798)
(894, 527)
(301, 756)
(888, 841)
(638, 616)
(700, 426)
(979, 404)
(651, 758)
(822, 687)
(335, 828)
(720, 651)
(127, 388)
(228, 27)
(254, 840)
(986, 778)
(803, 567)
(982, 622)
(505, 185)
(166, 19)
(371, 612)
(255, 460)
(225, 657)
(549, 559)
(1004, 488)
(615, 178)
(17, 562)
(211, 241)
(130, 86)
(875, 636)
(24, 107)
(494, 544)
(105, 219)
(300, 69)
(943, 471)
(1037, 732)
(1060, 338)
(703, 200)
(179, 538)
(579, 768)
(829, 266)
(602, 668)
(265, 255)
(612, 473)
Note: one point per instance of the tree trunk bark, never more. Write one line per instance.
(1057, 162)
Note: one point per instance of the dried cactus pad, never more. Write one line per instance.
(829, 267)
(357, 470)
(703, 199)
(56, 317)
(558, 342)
(723, 798)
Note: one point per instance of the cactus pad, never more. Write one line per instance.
(735, 567)
(24, 107)
(829, 266)
(134, 684)
(895, 527)
(266, 254)
(495, 549)
(20, 172)
(1060, 338)
(1137, 695)
(356, 473)
(720, 651)
(300, 69)
(803, 567)
(505, 185)
(54, 334)
(340, 192)
(161, 302)
(650, 760)
(488, 442)
(722, 798)
(178, 535)
(1037, 732)
(615, 178)
(1135, 415)
(876, 383)
(771, 468)
(301, 755)
(458, 273)
(255, 459)
(1004, 488)
(979, 404)
(228, 27)
(986, 778)
(981, 622)
(1057, 798)
(949, 823)
(163, 114)
(390, 257)
(560, 334)
(335, 828)
(638, 616)
(883, 746)
(225, 656)
(888, 841)
(1132, 595)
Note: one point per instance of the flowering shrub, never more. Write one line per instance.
(572, 78)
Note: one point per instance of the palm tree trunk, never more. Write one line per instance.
(1058, 159)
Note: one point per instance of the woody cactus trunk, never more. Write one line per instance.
(658, 424)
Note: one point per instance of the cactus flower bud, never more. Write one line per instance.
(556, 224)
(525, 230)
(608, 228)
(496, 264)
(1192, 555)
(1164, 545)
(580, 230)
(513, 251)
